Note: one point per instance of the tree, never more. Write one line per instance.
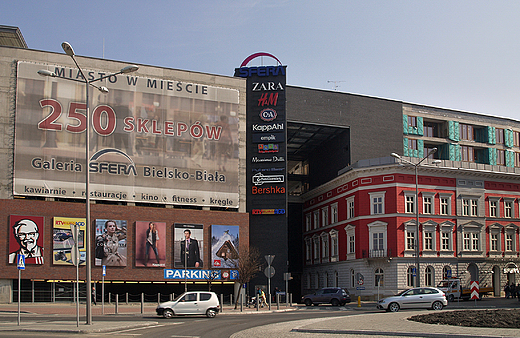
(248, 264)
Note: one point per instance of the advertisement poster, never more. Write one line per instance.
(224, 246)
(26, 238)
(110, 243)
(63, 240)
(188, 246)
(150, 244)
(152, 140)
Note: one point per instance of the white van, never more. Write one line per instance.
(191, 303)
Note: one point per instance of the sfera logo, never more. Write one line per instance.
(112, 168)
(268, 127)
(268, 115)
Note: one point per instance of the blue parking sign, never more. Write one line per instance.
(20, 259)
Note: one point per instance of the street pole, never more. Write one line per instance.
(416, 205)
(67, 48)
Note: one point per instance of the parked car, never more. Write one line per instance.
(334, 296)
(427, 297)
(191, 303)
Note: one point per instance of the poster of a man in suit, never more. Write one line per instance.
(188, 248)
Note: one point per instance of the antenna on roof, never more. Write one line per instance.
(336, 85)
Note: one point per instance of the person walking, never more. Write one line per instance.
(94, 295)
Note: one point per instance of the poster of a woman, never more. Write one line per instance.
(110, 242)
(150, 244)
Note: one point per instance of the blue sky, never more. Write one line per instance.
(462, 55)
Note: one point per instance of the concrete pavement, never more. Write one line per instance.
(379, 324)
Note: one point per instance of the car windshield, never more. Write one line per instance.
(403, 292)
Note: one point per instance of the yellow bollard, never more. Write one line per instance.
(358, 301)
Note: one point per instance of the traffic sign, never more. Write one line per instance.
(269, 271)
(474, 289)
(269, 259)
(104, 270)
(21, 261)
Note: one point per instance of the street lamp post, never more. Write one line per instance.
(67, 48)
(416, 244)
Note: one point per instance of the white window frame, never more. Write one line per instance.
(494, 206)
(378, 227)
(350, 231)
(446, 206)
(428, 203)
(334, 213)
(495, 239)
(470, 206)
(429, 276)
(324, 216)
(316, 247)
(308, 249)
(446, 232)
(334, 245)
(472, 238)
(379, 272)
(409, 202)
(325, 247)
(511, 230)
(316, 219)
(509, 207)
(429, 240)
(377, 199)
(351, 210)
(308, 221)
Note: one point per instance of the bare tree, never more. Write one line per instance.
(248, 264)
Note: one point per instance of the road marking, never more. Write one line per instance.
(140, 328)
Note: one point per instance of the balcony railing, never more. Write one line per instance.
(384, 253)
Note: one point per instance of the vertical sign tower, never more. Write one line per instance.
(266, 161)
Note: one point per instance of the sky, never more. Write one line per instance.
(462, 55)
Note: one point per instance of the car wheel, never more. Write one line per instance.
(308, 302)
(437, 305)
(393, 307)
(334, 302)
(451, 298)
(168, 313)
(211, 313)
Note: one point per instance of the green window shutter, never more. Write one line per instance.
(492, 156)
(453, 131)
(405, 124)
(454, 152)
(405, 146)
(491, 135)
(457, 131)
(510, 158)
(420, 126)
(420, 148)
(508, 138)
(458, 155)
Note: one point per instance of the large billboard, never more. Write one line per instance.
(157, 140)
(63, 240)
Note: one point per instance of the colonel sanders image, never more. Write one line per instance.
(27, 233)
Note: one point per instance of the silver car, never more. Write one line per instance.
(427, 297)
(191, 303)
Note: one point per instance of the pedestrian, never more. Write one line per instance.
(263, 298)
(507, 290)
(512, 290)
(518, 292)
(94, 295)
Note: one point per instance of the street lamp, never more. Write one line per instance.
(416, 165)
(67, 48)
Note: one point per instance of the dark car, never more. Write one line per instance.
(333, 296)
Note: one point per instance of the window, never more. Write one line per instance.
(378, 203)
(446, 271)
(428, 240)
(428, 276)
(410, 240)
(466, 132)
(316, 246)
(469, 206)
(412, 121)
(445, 240)
(508, 209)
(410, 276)
(351, 244)
(379, 277)
(316, 220)
(410, 203)
(334, 213)
(493, 206)
(377, 241)
(475, 241)
(308, 249)
(412, 144)
(499, 135)
(516, 138)
(445, 203)
(308, 222)
(351, 248)
(467, 154)
(494, 242)
(333, 244)
(377, 232)
(325, 216)
(430, 129)
(352, 278)
(336, 279)
(509, 242)
(350, 207)
(467, 241)
(501, 157)
(428, 204)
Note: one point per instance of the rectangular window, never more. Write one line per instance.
(410, 240)
(467, 154)
(410, 204)
(427, 205)
(516, 139)
(334, 213)
(509, 242)
(466, 132)
(467, 242)
(508, 209)
(428, 240)
(334, 246)
(351, 244)
(475, 241)
(324, 216)
(494, 242)
(378, 241)
(377, 205)
(430, 129)
(445, 237)
(474, 207)
(308, 221)
(351, 209)
(412, 121)
(499, 133)
(469, 207)
(493, 208)
(412, 144)
(501, 157)
(444, 206)
(316, 219)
